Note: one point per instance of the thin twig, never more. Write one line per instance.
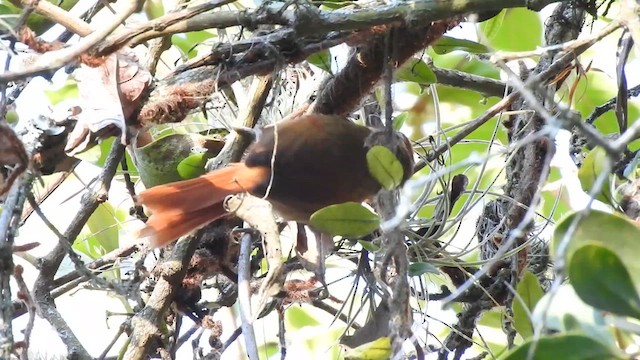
(244, 295)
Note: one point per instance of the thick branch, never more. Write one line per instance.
(310, 21)
(364, 69)
(147, 324)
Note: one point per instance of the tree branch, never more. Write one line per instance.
(49, 264)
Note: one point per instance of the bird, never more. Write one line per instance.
(299, 165)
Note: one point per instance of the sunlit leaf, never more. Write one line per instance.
(65, 92)
(399, 120)
(100, 234)
(385, 167)
(592, 166)
(348, 219)
(12, 117)
(297, 318)
(379, 349)
(504, 31)
(491, 27)
(153, 9)
(97, 154)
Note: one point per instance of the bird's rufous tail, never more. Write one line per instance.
(181, 207)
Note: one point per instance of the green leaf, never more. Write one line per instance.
(399, 120)
(12, 117)
(491, 27)
(321, 59)
(530, 292)
(163, 160)
(9, 17)
(613, 231)
(565, 347)
(35, 22)
(369, 246)
(379, 349)
(601, 280)
(447, 44)
(349, 220)
(187, 42)
(469, 64)
(100, 234)
(97, 155)
(416, 70)
(153, 9)
(505, 31)
(192, 166)
(385, 167)
(592, 166)
(335, 4)
(65, 92)
(297, 318)
(419, 268)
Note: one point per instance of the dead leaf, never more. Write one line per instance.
(110, 93)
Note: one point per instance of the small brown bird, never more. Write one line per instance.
(319, 160)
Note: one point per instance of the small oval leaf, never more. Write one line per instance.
(447, 44)
(369, 246)
(601, 280)
(192, 166)
(322, 60)
(349, 220)
(529, 292)
(566, 347)
(385, 167)
(416, 70)
(419, 268)
(100, 235)
(158, 162)
(592, 166)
